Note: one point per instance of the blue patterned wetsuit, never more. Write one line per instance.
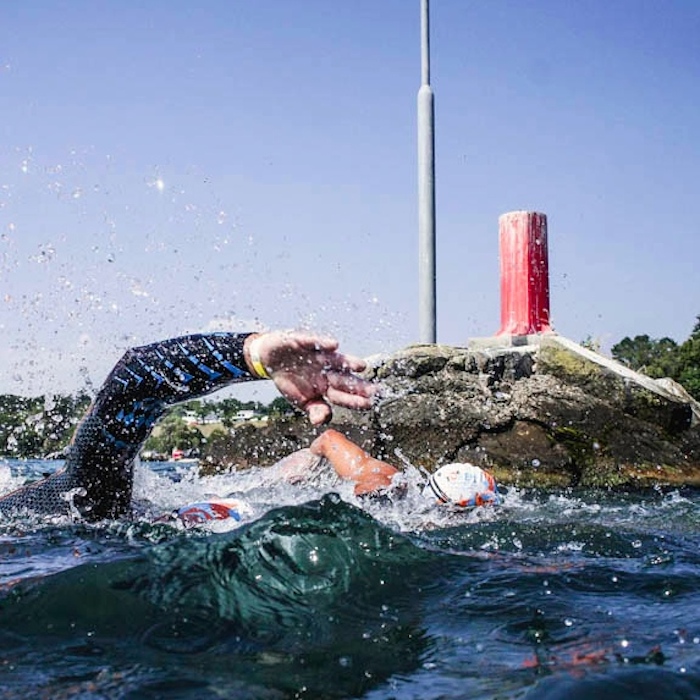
(143, 384)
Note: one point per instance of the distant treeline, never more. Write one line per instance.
(664, 357)
(41, 426)
(36, 427)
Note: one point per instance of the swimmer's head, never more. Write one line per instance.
(213, 509)
(462, 484)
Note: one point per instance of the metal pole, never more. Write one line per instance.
(426, 189)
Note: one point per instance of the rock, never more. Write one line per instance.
(249, 445)
(548, 413)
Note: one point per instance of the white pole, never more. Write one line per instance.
(426, 189)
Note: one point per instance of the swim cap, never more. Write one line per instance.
(462, 485)
(214, 509)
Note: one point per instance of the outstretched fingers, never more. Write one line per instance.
(340, 362)
(350, 392)
(310, 372)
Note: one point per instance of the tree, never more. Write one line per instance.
(657, 358)
(280, 407)
(172, 433)
(696, 328)
(664, 358)
(61, 415)
(689, 364)
(35, 427)
(228, 409)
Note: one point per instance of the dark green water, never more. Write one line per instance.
(575, 595)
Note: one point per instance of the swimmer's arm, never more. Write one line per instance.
(145, 382)
(137, 392)
(307, 369)
(141, 387)
(351, 462)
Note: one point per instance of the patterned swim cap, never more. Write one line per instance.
(462, 484)
(214, 509)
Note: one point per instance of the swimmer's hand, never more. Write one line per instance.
(309, 372)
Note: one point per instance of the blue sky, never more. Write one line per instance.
(168, 168)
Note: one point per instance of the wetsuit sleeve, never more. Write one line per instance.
(143, 384)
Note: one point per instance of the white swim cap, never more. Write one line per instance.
(462, 485)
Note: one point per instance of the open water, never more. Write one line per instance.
(549, 596)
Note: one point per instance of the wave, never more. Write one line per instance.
(270, 603)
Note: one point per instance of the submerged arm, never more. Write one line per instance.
(351, 462)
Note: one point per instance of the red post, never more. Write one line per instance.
(524, 273)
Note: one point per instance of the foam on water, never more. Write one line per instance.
(15, 473)
(161, 488)
(405, 508)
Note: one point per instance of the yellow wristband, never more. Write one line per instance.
(258, 366)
